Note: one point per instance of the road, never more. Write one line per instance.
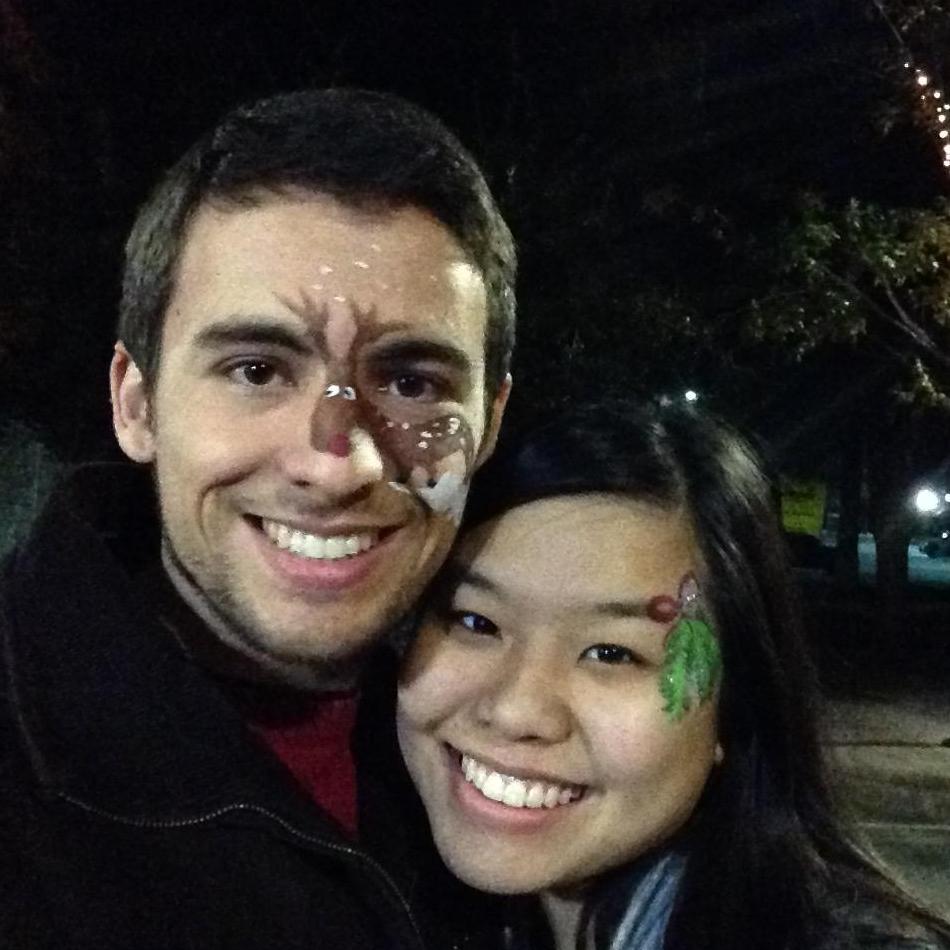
(920, 568)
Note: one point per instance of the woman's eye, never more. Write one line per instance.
(610, 653)
(473, 622)
(256, 373)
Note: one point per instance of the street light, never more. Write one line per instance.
(926, 501)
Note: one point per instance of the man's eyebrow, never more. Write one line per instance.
(254, 330)
(407, 351)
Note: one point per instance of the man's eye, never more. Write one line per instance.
(255, 373)
(610, 653)
(413, 386)
(473, 622)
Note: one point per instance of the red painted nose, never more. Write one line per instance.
(339, 445)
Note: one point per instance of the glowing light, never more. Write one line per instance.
(926, 500)
(936, 93)
(944, 133)
(691, 395)
(922, 79)
(941, 118)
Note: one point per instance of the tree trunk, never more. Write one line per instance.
(850, 482)
(892, 524)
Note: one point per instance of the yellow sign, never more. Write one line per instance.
(803, 506)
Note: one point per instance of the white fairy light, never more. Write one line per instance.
(922, 79)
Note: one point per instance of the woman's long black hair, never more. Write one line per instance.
(770, 867)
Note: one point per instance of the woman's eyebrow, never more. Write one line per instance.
(458, 576)
(623, 609)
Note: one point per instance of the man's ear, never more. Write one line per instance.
(494, 422)
(130, 407)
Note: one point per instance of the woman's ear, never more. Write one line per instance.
(130, 407)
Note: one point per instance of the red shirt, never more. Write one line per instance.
(311, 735)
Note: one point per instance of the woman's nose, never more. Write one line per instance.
(526, 701)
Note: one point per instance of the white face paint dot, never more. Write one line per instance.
(423, 444)
(326, 269)
(405, 425)
(375, 247)
(390, 423)
(339, 298)
(361, 264)
(426, 435)
(317, 286)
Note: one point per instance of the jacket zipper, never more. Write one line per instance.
(319, 843)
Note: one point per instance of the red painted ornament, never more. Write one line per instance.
(663, 608)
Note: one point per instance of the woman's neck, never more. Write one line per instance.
(563, 912)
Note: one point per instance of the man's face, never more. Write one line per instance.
(318, 411)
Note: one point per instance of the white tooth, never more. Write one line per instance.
(270, 528)
(535, 796)
(469, 767)
(283, 536)
(366, 542)
(515, 793)
(313, 547)
(494, 787)
(335, 548)
(564, 797)
(481, 774)
(551, 796)
(352, 544)
(297, 542)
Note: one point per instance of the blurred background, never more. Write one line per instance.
(742, 204)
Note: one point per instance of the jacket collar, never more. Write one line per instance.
(115, 715)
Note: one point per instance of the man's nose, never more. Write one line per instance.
(527, 700)
(331, 451)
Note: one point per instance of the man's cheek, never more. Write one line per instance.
(433, 459)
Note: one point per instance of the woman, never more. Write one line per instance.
(608, 703)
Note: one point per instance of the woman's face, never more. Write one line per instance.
(530, 713)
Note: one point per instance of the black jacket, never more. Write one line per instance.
(136, 809)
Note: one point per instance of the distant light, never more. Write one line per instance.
(936, 93)
(691, 395)
(945, 534)
(926, 500)
(906, 65)
(944, 133)
(922, 79)
(941, 118)
(946, 497)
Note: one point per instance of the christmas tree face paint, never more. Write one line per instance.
(692, 662)
(402, 397)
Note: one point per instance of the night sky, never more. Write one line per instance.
(600, 125)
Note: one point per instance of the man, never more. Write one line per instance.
(315, 330)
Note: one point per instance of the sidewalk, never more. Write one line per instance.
(891, 761)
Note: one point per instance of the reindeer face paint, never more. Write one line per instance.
(410, 411)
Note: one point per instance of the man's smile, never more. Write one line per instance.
(319, 546)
